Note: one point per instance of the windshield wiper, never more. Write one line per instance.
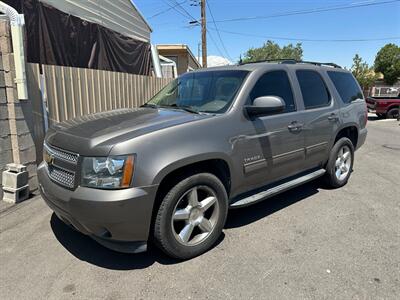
(183, 107)
(189, 109)
(150, 105)
(186, 108)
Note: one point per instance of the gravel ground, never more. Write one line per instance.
(308, 243)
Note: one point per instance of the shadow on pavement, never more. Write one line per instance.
(376, 118)
(86, 249)
(246, 215)
(373, 118)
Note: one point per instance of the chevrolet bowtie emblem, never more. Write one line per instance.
(49, 159)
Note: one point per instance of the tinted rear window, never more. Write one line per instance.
(313, 88)
(346, 86)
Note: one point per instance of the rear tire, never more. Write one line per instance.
(191, 216)
(340, 163)
(393, 113)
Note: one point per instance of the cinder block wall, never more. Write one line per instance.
(5, 139)
(16, 117)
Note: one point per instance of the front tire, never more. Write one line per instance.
(340, 163)
(191, 216)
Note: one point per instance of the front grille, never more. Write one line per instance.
(62, 177)
(62, 154)
(62, 166)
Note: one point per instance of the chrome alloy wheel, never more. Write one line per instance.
(195, 216)
(343, 163)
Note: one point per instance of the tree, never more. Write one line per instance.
(364, 74)
(387, 62)
(271, 50)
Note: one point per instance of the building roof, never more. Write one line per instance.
(179, 47)
(119, 15)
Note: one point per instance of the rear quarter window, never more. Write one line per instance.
(346, 86)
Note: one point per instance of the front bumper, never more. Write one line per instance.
(117, 219)
(371, 106)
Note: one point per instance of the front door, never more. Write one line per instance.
(275, 149)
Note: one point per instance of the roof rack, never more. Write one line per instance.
(279, 60)
(293, 61)
(321, 64)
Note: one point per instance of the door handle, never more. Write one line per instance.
(333, 117)
(295, 126)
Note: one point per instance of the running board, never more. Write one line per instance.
(276, 189)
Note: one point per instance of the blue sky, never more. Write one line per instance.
(369, 22)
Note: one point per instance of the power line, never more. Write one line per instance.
(186, 14)
(174, 7)
(166, 10)
(310, 11)
(184, 10)
(214, 43)
(218, 33)
(307, 40)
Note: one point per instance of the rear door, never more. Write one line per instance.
(321, 116)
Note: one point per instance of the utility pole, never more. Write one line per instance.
(198, 51)
(203, 29)
(203, 33)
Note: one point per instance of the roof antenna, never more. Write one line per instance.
(240, 60)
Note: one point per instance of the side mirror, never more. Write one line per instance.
(265, 105)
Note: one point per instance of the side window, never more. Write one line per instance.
(275, 83)
(313, 88)
(346, 86)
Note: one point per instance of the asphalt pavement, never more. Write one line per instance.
(308, 243)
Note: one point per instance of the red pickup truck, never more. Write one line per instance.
(384, 107)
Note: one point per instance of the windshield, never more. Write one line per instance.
(210, 91)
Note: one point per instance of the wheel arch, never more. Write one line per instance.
(394, 105)
(351, 131)
(217, 165)
(199, 161)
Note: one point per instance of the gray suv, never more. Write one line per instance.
(211, 140)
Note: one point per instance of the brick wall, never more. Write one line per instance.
(16, 117)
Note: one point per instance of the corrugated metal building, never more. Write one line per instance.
(119, 15)
(96, 34)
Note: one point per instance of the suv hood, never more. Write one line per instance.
(96, 134)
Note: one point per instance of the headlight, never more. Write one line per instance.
(112, 172)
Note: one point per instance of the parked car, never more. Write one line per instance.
(212, 139)
(384, 107)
